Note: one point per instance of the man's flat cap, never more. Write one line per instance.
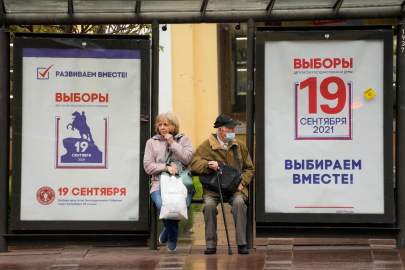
(225, 120)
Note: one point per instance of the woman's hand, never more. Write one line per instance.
(168, 138)
(171, 169)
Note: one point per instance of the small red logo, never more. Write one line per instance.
(45, 195)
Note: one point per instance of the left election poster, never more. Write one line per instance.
(79, 133)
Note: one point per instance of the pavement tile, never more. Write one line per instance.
(283, 255)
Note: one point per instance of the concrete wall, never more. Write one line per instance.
(195, 78)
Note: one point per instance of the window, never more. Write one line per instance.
(232, 61)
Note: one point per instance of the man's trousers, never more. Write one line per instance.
(239, 210)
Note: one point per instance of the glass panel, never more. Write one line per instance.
(104, 6)
(240, 74)
(172, 5)
(241, 66)
(223, 5)
(370, 3)
(293, 4)
(38, 6)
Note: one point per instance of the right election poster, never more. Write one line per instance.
(325, 101)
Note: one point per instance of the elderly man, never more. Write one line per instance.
(219, 149)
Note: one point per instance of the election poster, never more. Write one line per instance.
(325, 104)
(81, 130)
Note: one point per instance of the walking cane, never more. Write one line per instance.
(223, 212)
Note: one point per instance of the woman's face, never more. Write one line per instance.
(165, 127)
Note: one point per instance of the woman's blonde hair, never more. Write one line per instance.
(171, 118)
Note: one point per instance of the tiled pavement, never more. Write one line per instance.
(269, 254)
(276, 254)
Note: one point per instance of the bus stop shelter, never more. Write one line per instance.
(70, 12)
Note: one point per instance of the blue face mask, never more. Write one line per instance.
(230, 136)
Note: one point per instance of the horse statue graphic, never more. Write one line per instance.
(79, 123)
(81, 151)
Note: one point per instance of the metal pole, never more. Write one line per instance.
(250, 125)
(400, 130)
(154, 113)
(4, 133)
(155, 69)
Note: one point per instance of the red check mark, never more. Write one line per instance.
(43, 73)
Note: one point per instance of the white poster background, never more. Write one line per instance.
(39, 147)
(366, 194)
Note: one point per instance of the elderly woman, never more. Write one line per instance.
(167, 141)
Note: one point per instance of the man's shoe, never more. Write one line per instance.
(171, 246)
(210, 251)
(242, 249)
(163, 237)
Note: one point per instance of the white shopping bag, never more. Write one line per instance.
(174, 195)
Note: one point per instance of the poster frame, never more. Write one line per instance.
(68, 41)
(383, 33)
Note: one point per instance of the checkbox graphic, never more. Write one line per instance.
(43, 73)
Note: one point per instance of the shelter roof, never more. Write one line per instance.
(189, 11)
